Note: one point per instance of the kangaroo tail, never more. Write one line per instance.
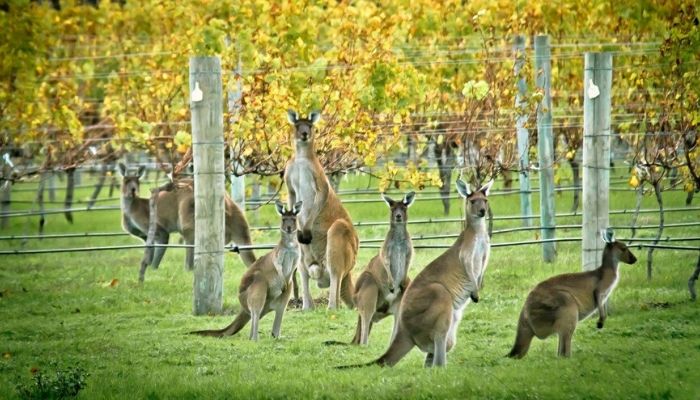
(401, 345)
(238, 323)
(523, 338)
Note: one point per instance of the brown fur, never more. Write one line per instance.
(380, 287)
(175, 213)
(267, 284)
(432, 306)
(558, 303)
(328, 238)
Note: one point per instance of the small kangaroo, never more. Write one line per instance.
(175, 213)
(379, 288)
(558, 303)
(267, 284)
(328, 238)
(434, 301)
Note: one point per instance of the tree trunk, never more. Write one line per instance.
(412, 152)
(98, 187)
(639, 193)
(113, 184)
(660, 201)
(693, 279)
(51, 185)
(444, 155)
(334, 180)
(5, 190)
(689, 198)
(507, 179)
(40, 202)
(576, 172)
(70, 188)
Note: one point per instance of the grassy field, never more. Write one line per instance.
(88, 309)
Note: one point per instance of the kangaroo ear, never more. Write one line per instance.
(486, 188)
(297, 207)
(122, 169)
(142, 171)
(292, 117)
(387, 200)
(279, 207)
(463, 188)
(408, 198)
(608, 235)
(314, 117)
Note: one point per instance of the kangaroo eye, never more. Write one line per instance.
(472, 201)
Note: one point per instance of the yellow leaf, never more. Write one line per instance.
(634, 182)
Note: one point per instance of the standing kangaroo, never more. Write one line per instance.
(175, 213)
(267, 284)
(328, 238)
(558, 303)
(379, 288)
(434, 301)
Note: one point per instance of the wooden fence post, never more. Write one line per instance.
(208, 157)
(545, 146)
(523, 139)
(5, 189)
(234, 107)
(597, 83)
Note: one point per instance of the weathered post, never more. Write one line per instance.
(545, 145)
(208, 156)
(523, 140)
(234, 107)
(597, 83)
(5, 188)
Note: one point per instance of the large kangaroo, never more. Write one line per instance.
(433, 304)
(558, 303)
(267, 284)
(175, 213)
(328, 238)
(380, 287)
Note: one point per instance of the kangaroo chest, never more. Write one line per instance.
(304, 184)
(473, 257)
(397, 253)
(130, 220)
(286, 260)
(479, 252)
(607, 291)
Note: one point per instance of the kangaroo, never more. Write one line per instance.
(380, 287)
(434, 301)
(558, 303)
(328, 238)
(267, 284)
(175, 213)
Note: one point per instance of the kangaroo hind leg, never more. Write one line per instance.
(565, 327)
(340, 259)
(161, 237)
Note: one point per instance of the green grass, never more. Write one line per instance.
(131, 338)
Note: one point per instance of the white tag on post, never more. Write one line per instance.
(196, 94)
(7, 160)
(593, 90)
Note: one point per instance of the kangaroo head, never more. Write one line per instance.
(303, 127)
(130, 183)
(477, 202)
(618, 250)
(289, 217)
(399, 209)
